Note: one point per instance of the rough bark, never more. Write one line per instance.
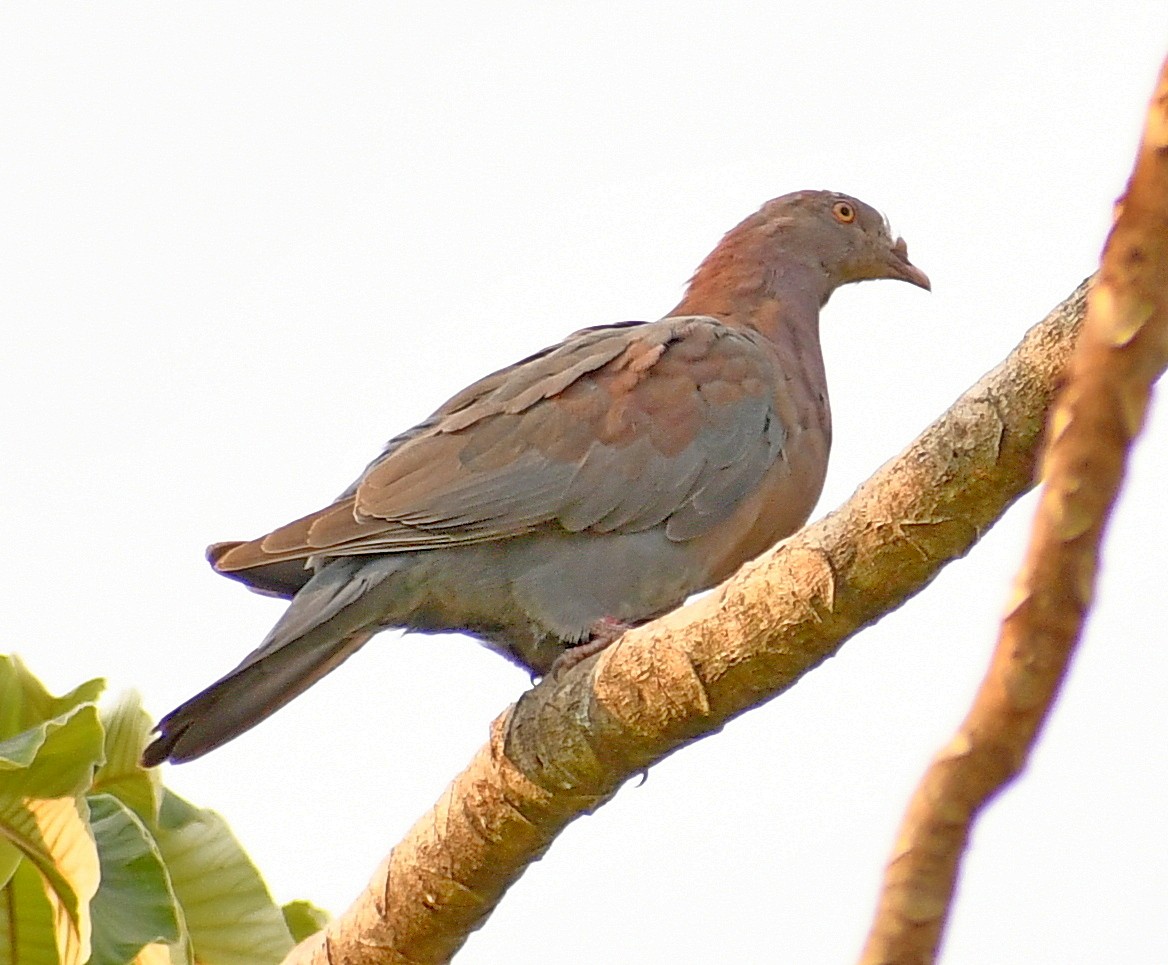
(1122, 351)
(569, 743)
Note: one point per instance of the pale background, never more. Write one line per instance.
(243, 244)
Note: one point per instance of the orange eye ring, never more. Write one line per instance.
(844, 211)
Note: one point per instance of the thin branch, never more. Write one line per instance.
(1122, 351)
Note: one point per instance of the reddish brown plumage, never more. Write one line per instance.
(605, 478)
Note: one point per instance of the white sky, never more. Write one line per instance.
(244, 244)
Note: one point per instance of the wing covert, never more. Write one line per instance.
(618, 428)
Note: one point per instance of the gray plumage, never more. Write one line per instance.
(602, 479)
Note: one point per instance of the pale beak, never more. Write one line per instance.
(905, 270)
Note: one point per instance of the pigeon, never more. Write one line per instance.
(592, 486)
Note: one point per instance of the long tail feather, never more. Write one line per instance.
(339, 609)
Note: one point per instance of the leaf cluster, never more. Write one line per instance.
(100, 863)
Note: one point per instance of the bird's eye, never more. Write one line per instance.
(844, 212)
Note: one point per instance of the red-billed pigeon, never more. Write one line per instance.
(596, 483)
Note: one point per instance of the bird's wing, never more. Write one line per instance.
(618, 428)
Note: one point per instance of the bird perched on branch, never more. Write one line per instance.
(592, 486)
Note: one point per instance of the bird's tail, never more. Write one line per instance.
(336, 612)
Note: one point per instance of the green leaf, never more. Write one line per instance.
(229, 913)
(303, 918)
(65, 751)
(24, 702)
(27, 930)
(175, 886)
(134, 905)
(42, 816)
(10, 857)
(44, 768)
(20, 750)
(127, 726)
(53, 836)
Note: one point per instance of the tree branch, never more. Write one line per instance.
(570, 742)
(1122, 351)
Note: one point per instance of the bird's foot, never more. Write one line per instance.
(601, 635)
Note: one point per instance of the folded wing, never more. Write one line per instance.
(617, 429)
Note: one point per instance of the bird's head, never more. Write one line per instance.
(845, 238)
(799, 247)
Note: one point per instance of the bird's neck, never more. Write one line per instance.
(779, 299)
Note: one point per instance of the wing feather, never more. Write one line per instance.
(619, 428)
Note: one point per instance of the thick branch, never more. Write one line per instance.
(570, 743)
(1123, 350)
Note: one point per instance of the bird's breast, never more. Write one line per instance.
(791, 486)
